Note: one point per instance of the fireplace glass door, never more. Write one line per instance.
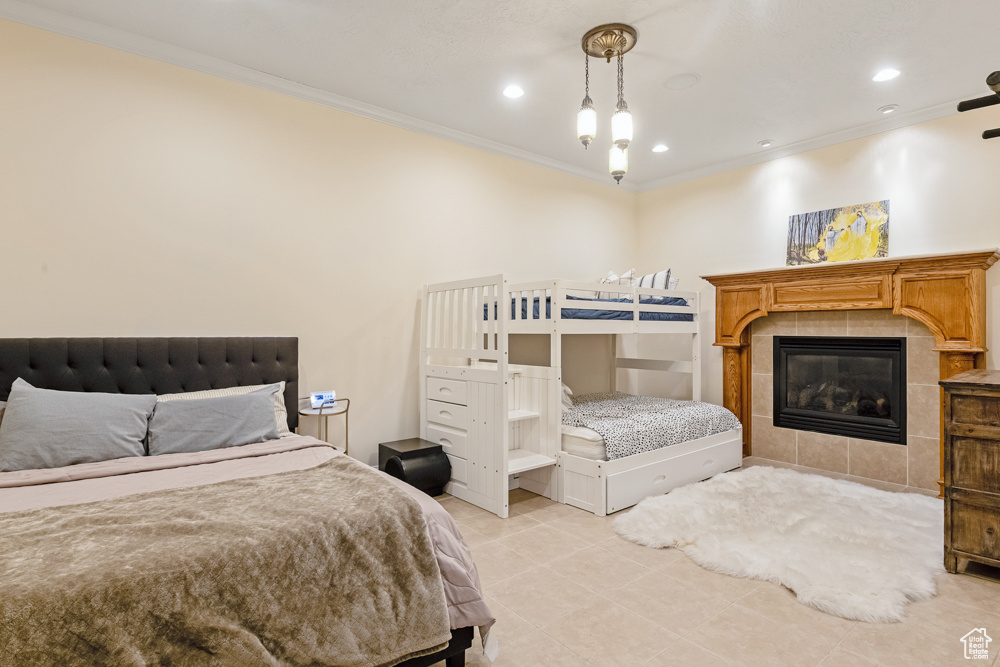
(854, 387)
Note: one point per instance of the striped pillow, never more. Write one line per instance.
(280, 413)
(658, 280)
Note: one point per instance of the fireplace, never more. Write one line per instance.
(855, 387)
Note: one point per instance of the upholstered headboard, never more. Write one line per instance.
(152, 365)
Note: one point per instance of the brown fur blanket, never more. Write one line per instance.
(326, 566)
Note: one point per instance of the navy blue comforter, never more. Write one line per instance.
(586, 314)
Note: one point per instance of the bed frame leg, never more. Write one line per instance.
(456, 660)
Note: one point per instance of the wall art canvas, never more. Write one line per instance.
(838, 234)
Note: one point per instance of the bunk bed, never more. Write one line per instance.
(496, 420)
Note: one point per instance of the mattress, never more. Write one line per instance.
(636, 424)
(583, 442)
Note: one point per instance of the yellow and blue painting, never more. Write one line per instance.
(838, 234)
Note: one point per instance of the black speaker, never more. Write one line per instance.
(417, 462)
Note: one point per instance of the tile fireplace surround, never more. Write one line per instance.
(915, 464)
(938, 302)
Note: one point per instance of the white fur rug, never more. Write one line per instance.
(844, 548)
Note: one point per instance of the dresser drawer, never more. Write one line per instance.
(975, 410)
(450, 391)
(452, 440)
(975, 464)
(449, 414)
(975, 529)
(459, 469)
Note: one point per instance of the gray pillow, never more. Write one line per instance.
(212, 423)
(43, 428)
(3, 405)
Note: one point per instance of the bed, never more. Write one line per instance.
(281, 551)
(618, 448)
(499, 421)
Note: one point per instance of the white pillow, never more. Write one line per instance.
(567, 396)
(673, 283)
(628, 278)
(280, 413)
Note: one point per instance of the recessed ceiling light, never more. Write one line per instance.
(764, 143)
(513, 91)
(888, 108)
(660, 148)
(681, 81)
(886, 75)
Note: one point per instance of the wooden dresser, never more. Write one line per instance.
(972, 468)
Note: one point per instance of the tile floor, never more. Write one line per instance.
(566, 590)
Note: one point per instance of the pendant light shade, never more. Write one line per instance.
(586, 122)
(621, 127)
(618, 163)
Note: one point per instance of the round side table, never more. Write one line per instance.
(324, 413)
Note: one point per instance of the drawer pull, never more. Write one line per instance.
(707, 463)
(659, 478)
(444, 441)
(445, 390)
(445, 414)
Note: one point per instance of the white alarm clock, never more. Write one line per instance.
(318, 398)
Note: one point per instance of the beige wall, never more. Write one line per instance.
(139, 198)
(938, 176)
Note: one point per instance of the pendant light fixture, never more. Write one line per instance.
(612, 40)
(586, 118)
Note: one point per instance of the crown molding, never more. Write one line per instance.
(121, 40)
(38, 17)
(838, 137)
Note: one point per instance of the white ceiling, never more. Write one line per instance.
(793, 71)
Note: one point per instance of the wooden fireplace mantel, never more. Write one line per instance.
(945, 292)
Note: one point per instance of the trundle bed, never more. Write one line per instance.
(497, 420)
(282, 551)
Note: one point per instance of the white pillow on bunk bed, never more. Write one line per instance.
(567, 396)
(628, 278)
(659, 280)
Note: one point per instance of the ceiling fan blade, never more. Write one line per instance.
(978, 103)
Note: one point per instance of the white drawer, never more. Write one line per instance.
(628, 487)
(451, 391)
(449, 414)
(452, 440)
(459, 469)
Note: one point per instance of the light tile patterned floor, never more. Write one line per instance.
(566, 590)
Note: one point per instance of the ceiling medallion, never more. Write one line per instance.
(611, 40)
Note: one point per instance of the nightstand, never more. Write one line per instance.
(339, 408)
(417, 462)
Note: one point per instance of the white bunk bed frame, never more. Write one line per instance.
(495, 420)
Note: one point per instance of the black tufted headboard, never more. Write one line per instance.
(152, 365)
